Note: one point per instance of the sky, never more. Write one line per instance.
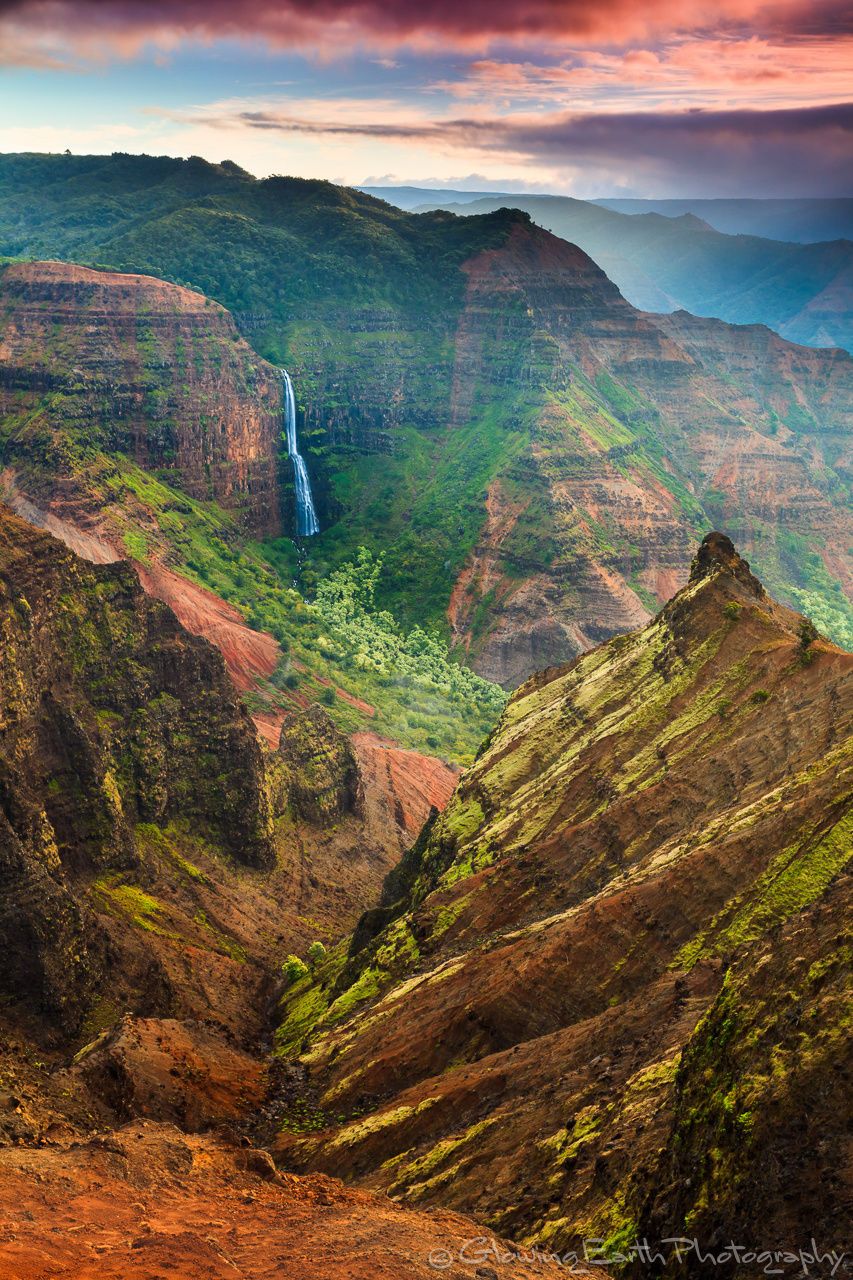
(581, 97)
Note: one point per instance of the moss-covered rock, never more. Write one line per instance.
(110, 716)
(321, 766)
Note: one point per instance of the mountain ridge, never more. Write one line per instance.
(639, 828)
(664, 263)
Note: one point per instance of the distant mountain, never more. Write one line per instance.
(604, 996)
(803, 291)
(803, 221)
(411, 198)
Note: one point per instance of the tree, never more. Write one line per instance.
(293, 969)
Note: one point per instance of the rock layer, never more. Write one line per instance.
(642, 429)
(132, 364)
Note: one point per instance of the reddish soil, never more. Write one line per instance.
(249, 655)
(163, 1069)
(147, 1203)
(401, 787)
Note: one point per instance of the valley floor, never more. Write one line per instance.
(147, 1201)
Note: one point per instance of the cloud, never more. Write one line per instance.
(100, 28)
(796, 151)
(709, 72)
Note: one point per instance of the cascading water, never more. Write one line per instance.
(307, 523)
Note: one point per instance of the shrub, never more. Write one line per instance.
(807, 631)
(293, 969)
(316, 953)
(328, 697)
(732, 610)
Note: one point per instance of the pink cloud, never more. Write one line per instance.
(124, 26)
(710, 72)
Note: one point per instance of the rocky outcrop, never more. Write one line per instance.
(602, 975)
(95, 360)
(323, 773)
(179, 1072)
(399, 788)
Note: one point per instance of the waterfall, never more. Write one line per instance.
(307, 523)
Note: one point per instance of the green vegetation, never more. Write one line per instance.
(792, 570)
(795, 879)
(294, 970)
(112, 894)
(404, 685)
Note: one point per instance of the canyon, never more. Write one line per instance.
(138, 424)
(592, 998)
(294, 889)
(502, 427)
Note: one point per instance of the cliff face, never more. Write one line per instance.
(641, 429)
(114, 719)
(602, 977)
(93, 360)
(135, 423)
